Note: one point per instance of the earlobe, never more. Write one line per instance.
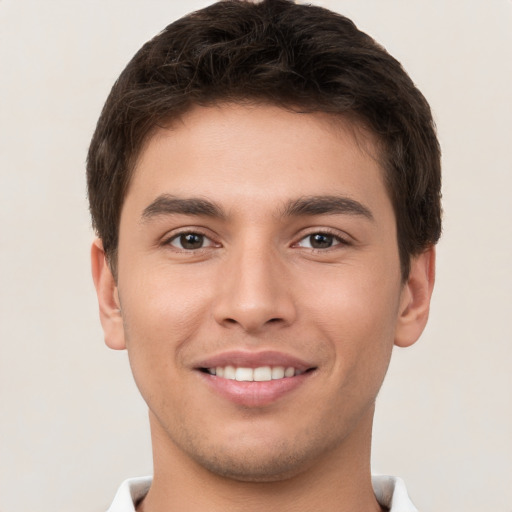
(108, 298)
(415, 299)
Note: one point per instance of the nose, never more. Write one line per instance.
(254, 291)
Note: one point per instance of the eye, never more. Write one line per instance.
(320, 241)
(190, 241)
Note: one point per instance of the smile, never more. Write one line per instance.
(254, 379)
(259, 374)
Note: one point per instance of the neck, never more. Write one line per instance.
(339, 481)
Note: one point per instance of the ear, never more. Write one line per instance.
(108, 298)
(415, 298)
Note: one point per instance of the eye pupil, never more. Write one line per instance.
(191, 241)
(320, 240)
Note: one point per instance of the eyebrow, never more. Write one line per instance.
(325, 205)
(167, 204)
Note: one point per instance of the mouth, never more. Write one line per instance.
(259, 374)
(255, 379)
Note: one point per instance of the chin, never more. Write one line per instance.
(252, 467)
(263, 457)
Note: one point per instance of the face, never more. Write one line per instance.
(259, 288)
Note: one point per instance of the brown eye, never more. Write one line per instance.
(190, 241)
(321, 241)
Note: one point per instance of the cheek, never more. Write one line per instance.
(357, 311)
(360, 296)
(162, 310)
(161, 313)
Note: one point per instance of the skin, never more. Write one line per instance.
(256, 282)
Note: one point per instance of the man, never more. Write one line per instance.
(264, 180)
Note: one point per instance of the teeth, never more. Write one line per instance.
(244, 374)
(260, 374)
(229, 372)
(289, 372)
(278, 372)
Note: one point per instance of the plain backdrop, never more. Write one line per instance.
(72, 425)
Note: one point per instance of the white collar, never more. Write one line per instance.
(390, 492)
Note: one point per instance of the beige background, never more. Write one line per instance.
(72, 425)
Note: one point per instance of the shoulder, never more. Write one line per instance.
(129, 493)
(391, 492)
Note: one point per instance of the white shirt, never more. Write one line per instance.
(390, 492)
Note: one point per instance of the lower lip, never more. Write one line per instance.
(254, 394)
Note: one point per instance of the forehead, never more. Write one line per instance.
(247, 151)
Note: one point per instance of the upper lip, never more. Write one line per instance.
(251, 359)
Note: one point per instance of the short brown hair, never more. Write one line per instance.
(296, 56)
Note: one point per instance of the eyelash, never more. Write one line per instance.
(196, 232)
(339, 240)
